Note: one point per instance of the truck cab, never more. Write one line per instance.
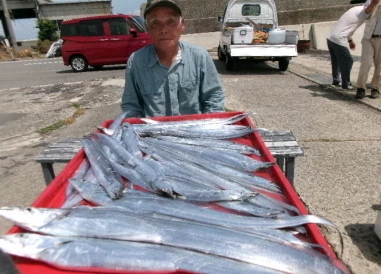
(249, 29)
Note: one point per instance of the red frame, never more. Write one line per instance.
(53, 196)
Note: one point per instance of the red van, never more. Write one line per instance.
(102, 40)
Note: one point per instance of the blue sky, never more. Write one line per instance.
(25, 29)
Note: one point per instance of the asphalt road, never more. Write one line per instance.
(35, 72)
(337, 178)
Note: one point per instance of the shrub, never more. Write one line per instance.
(48, 30)
(43, 46)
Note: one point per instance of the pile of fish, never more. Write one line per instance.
(170, 196)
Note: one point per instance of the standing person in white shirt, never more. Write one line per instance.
(338, 41)
(371, 51)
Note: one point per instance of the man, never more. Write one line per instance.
(339, 40)
(371, 51)
(170, 77)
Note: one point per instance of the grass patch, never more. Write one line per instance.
(68, 121)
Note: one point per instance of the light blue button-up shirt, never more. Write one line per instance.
(190, 86)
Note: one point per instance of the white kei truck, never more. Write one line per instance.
(249, 30)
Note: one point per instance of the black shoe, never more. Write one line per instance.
(375, 93)
(336, 84)
(360, 93)
(349, 87)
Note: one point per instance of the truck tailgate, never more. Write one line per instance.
(263, 50)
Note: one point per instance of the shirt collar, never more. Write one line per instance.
(153, 59)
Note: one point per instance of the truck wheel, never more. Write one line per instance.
(283, 64)
(78, 63)
(229, 62)
(221, 54)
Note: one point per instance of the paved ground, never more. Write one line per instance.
(316, 66)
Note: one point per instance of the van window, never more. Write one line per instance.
(84, 28)
(139, 23)
(251, 10)
(69, 30)
(119, 26)
(91, 28)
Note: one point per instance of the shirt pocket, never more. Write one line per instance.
(189, 86)
(152, 96)
(189, 92)
(150, 92)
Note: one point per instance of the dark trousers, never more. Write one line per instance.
(341, 62)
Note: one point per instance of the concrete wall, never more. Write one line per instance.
(67, 11)
(26, 44)
(310, 11)
(201, 15)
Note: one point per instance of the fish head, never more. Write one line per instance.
(28, 245)
(32, 218)
(106, 131)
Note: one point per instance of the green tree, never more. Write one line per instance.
(47, 34)
(47, 30)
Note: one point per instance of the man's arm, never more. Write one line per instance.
(130, 99)
(212, 95)
(370, 5)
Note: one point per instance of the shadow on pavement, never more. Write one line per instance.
(91, 69)
(364, 237)
(245, 67)
(330, 93)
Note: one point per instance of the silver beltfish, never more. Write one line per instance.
(224, 145)
(218, 181)
(207, 121)
(119, 224)
(228, 158)
(103, 171)
(144, 202)
(130, 140)
(229, 177)
(211, 132)
(83, 253)
(123, 157)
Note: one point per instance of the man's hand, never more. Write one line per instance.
(352, 45)
(371, 6)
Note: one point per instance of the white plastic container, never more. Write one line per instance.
(292, 37)
(243, 35)
(277, 36)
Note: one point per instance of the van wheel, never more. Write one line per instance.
(221, 54)
(79, 63)
(229, 62)
(283, 64)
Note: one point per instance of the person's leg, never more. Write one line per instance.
(345, 61)
(377, 64)
(367, 53)
(334, 64)
(375, 92)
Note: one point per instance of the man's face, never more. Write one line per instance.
(165, 27)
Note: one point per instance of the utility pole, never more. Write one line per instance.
(8, 22)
